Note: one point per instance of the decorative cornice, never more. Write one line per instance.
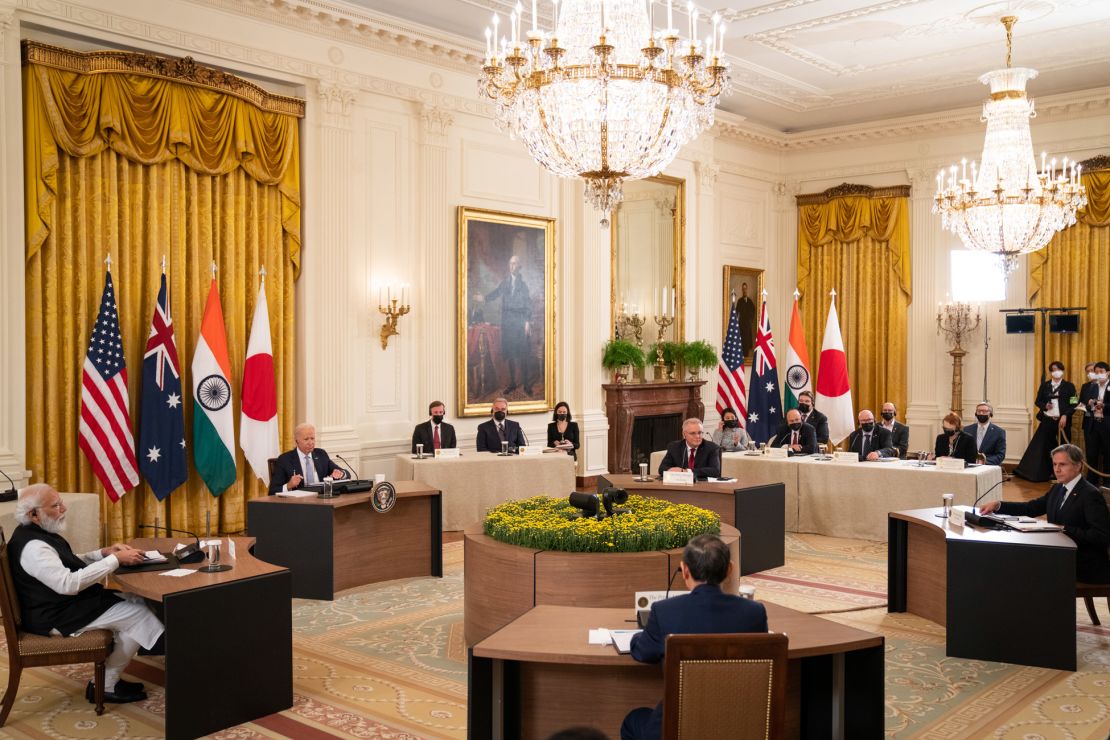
(184, 70)
(1094, 164)
(845, 190)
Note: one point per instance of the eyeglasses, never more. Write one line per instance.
(696, 434)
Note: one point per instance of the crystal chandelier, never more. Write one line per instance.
(1007, 207)
(605, 97)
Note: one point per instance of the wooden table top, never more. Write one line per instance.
(559, 634)
(153, 585)
(969, 532)
(628, 481)
(405, 489)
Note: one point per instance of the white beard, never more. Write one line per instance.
(53, 526)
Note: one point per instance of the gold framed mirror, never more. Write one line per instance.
(648, 260)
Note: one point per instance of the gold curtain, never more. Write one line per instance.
(143, 168)
(1072, 271)
(856, 240)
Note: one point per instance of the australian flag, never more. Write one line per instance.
(764, 398)
(162, 424)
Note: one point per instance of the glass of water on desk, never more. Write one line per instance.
(643, 471)
(921, 455)
(419, 452)
(505, 447)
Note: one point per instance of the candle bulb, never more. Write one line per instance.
(721, 40)
(670, 16)
(690, 18)
(651, 18)
(519, 18)
(489, 44)
(535, 20)
(555, 12)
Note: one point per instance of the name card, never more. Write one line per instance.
(678, 477)
(842, 456)
(778, 452)
(959, 515)
(526, 450)
(950, 463)
(448, 452)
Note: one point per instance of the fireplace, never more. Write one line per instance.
(644, 417)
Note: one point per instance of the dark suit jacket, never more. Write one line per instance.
(422, 434)
(1089, 392)
(880, 442)
(571, 435)
(707, 459)
(288, 464)
(1064, 394)
(900, 438)
(965, 447)
(1086, 520)
(489, 441)
(705, 610)
(807, 438)
(994, 442)
(820, 424)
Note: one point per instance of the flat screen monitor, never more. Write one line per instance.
(1019, 323)
(1064, 323)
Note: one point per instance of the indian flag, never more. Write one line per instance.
(213, 423)
(797, 361)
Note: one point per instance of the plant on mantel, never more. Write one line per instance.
(620, 354)
(698, 355)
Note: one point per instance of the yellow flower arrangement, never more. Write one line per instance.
(547, 523)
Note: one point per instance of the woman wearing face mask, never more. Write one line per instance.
(1056, 400)
(728, 435)
(953, 441)
(562, 433)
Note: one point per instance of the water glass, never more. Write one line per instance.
(747, 592)
(643, 471)
(419, 452)
(505, 448)
(947, 499)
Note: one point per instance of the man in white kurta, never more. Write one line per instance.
(60, 592)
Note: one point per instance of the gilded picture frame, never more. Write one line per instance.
(736, 279)
(506, 311)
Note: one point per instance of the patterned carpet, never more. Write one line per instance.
(389, 662)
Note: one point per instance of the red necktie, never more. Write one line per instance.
(794, 438)
(435, 437)
(691, 464)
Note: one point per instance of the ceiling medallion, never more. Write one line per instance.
(604, 95)
(1006, 206)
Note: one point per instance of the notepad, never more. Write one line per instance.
(622, 640)
(177, 572)
(153, 556)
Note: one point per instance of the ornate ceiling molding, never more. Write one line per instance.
(845, 190)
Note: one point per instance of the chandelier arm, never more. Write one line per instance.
(547, 130)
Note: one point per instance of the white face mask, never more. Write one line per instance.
(1057, 374)
(1101, 378)
(1091, 375)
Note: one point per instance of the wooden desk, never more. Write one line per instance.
(758, 512)
(478, 481)
(229, 640)
(1001, 595)
(339, 543)
(539, 674)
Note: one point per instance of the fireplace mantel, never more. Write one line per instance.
(625, 401)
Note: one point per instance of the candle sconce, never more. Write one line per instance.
(956, 322)
(393, 308)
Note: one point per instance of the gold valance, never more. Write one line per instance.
(150, 110)
(847, 213)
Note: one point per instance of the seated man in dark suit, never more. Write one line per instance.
(869, 441)
(706, 564)
(990, 439)
(693, 452)
(291, 470)
(899, 432)
(1079, 506)
(813, 417)
(800, 438)
(499, 429)
(434, 434)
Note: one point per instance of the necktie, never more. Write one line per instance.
(690, 464)
(793, 438)
(501, 431)
(435, 437)
(979, 437)
(309, 470)
(866, 444)
(1063, 500)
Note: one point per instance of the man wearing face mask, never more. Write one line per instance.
(899, 432)
(1096, 428)
(813, 417)
(990, 439)
(500, 429)
(434, 434)
(870, 441)
(798, 437)
(953, 442)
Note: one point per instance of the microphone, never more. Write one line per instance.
(982, 520)
(671, 581)
(10, 494)
(350, 468)
(188, 554)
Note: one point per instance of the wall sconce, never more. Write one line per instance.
(394, 307)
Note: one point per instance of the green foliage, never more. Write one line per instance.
(672, 352)
(699, 354)
(546, 523)
(621, 352)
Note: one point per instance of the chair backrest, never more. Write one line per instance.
(731, 685)
(271, 463)
(9, 601)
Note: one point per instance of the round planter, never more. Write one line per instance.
(502, 581)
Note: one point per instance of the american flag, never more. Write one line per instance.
(105, 426)
(731, 391)
(764, 401)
